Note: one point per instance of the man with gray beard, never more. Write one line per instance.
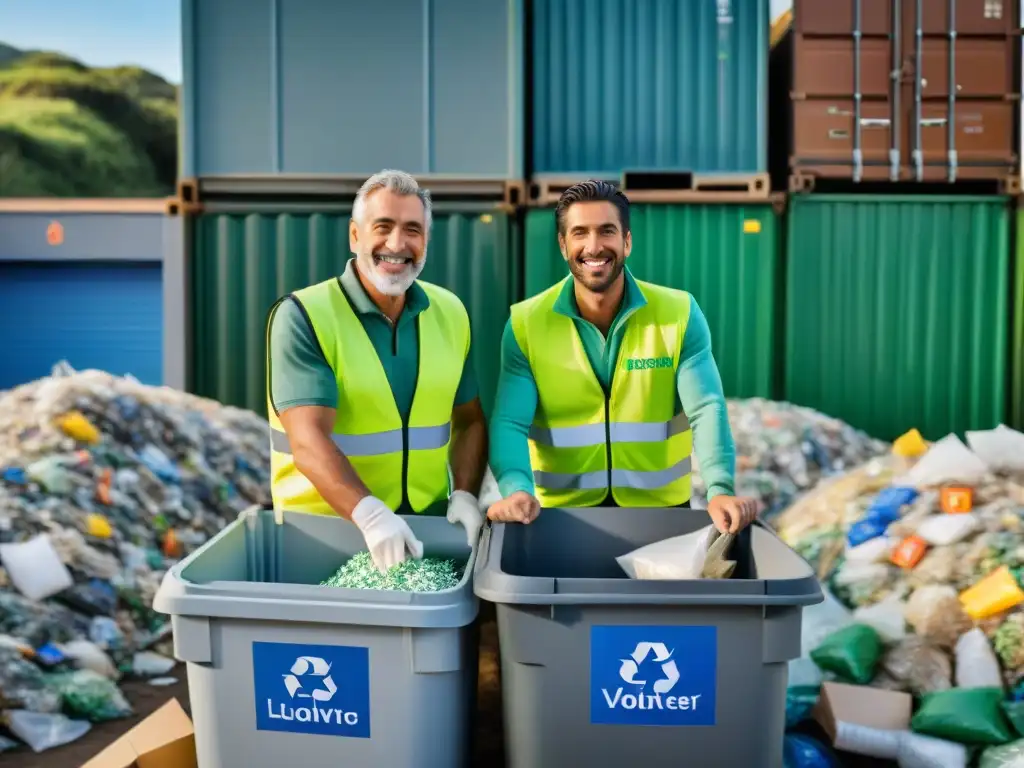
(371, 393)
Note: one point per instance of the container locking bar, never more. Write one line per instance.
(918, 155)
(858, 154)
(951, 125)
(895, 82)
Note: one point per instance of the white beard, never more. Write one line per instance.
(391, 285)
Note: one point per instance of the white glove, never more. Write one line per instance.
(463, 508)
(387, 535)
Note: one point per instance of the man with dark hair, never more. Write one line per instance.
(608, 383)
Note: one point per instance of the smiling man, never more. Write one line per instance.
(608, 384)
(370, 389)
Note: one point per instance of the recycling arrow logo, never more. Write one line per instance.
(662, 656)
(314, 667)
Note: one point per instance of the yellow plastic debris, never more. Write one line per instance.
(78, 427)
(909, 445)
(99, 526)
(997, 592)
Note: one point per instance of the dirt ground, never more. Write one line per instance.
(489, 744)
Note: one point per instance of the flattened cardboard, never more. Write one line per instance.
(862, 705)
(165, 739)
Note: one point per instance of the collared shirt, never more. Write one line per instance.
(698, 386)
(300, 374)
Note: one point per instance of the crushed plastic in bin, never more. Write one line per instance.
(430, 574)
(106, 482)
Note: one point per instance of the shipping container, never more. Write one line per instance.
(318, 86)
(620, 85)
(93, 282)
(896, 311)
(885, 90)
(726, 256)
(1017, 334)
(243, 263)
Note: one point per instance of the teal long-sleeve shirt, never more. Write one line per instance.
(698, 384)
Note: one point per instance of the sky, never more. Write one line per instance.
(100, 33)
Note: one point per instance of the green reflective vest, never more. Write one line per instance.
(634, 441)
(390, 457)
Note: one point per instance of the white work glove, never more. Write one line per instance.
(463, 508)
(387, 535)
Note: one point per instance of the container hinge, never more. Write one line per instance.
(858, 164)
(918, 159)
(894, 165)
(952, 160)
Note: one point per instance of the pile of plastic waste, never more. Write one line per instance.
(104, 483)
(783, 450)
(921, 553)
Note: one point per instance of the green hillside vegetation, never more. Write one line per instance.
(69, 130)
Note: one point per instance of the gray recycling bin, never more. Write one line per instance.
(601, 669)
(284, 672)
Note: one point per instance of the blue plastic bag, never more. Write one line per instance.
(887, 504)
(865, 530)
(799, 751)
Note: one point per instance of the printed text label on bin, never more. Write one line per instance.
(654, 675)
(316, 689)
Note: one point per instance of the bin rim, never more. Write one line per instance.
(261, 601)
(494, 585)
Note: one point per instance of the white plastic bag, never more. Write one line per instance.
(35, 568)
(947, 461)
(42, 732)
(88, 655)
(885, 617)
(917, 751)
(864, 740)
(976, 662)
(942, 530)
(681, 557)
(871, 551)
(1001, 448)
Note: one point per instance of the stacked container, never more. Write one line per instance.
(897, 300)
(912, 90)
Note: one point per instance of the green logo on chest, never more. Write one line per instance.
(647, 363)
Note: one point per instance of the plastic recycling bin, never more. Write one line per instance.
(284, 672)
(601, 669)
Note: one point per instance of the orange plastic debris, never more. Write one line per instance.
(172, 547)
(103, 487)
(997, 592)
(909, 552)
(956, 500)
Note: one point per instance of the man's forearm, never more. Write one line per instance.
(468, 457)
(700, 392)
(331, 473)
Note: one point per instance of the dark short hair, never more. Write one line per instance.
(592, 192)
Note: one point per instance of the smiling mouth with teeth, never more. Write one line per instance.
(392, 259)
(599, 262)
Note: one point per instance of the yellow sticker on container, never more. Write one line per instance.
(486, 218)
(751, 227)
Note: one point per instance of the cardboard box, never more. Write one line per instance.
(863, 720)
(165, 739)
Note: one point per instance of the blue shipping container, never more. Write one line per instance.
(661, 84)
(83, 287)
(320, 86)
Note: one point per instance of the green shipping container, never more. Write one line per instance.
(726, 256)
(1017, 337)
(243, 263)
(896, 311)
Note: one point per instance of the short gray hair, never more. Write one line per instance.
(399, 182)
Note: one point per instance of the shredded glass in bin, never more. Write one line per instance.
(431, 574)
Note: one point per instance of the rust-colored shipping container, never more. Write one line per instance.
(871, 91)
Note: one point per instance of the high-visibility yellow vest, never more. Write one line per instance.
(391, 458)
(636, 441)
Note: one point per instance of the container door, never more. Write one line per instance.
(964, 130)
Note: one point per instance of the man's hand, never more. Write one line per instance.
(463, 508)
(731, 514)
(520, 507)
(387, 535)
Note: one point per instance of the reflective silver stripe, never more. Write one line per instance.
(621, 478)
(620, 431)
(376, 443)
